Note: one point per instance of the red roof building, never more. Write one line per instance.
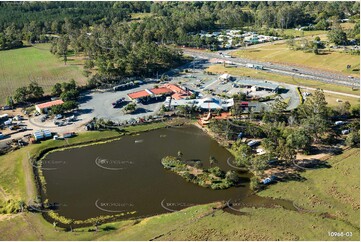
(178, 92)
(140, 94)
(161, 90)
(43, 107)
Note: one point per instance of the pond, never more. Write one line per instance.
(127, 175)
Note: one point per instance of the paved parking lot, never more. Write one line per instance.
(99, 104)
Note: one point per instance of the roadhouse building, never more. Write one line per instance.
(44, 107)
(169, 89)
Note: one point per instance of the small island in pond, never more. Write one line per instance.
(213, 177)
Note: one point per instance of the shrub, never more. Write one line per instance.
(300, 95)
(254, 184)
(9, 206)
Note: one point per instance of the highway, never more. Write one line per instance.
(288, 70)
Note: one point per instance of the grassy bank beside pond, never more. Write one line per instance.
(194, 223)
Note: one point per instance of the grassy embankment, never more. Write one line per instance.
(243, 71)
(324, 191)
(20, 66)
(333, 61)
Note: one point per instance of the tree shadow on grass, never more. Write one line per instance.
(109, 228)
(311, 164)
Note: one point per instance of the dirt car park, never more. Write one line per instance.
(29, 124)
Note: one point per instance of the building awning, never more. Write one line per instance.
(49, 104)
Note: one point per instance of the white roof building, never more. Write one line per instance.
(208, 103)
(225, 76)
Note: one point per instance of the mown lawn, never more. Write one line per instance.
(333, 61)
(243, 71)
(19, 67)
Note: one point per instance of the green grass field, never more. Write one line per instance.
(331, 99)
(190, 224)
(334, 191)
(311, 33)
(333, 61)
(243, 71)
(20, 66)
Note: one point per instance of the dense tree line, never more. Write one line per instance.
(34, 21)
(23, 94)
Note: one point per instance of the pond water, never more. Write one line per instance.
(127, 175)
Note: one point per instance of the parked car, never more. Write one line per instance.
(58, 116)
(253, 143)
(339, 122)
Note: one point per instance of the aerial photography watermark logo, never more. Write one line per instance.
(176, 206)
(237, 205)
(113, 165)
(231, 163)
(42, 79)
(114, 206)
(300, 209)
(104, 43)
(46, 164)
